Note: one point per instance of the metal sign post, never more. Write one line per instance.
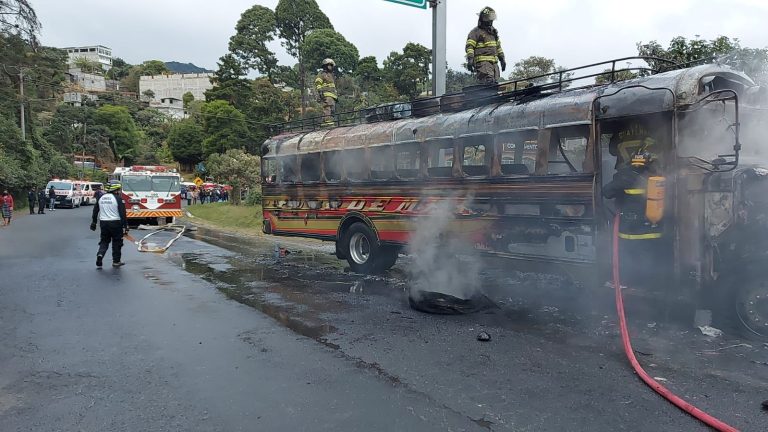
(438, 47)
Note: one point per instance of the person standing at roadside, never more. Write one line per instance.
(52, 198)
(7, 208)
(41, 200)
(31, 197)
(109, 211)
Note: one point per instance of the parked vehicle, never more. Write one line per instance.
(68, 193)
(89, 192)
(151, 193)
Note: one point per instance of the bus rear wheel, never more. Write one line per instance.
(752, 307)
(363, 252)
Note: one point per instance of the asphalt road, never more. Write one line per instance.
(217, 335)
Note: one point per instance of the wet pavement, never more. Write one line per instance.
(219, 334)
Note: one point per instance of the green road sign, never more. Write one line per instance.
(421, 4)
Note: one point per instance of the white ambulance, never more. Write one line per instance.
(68, 192)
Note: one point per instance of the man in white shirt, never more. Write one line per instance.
(110, 212)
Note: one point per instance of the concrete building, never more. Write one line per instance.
(88, 82)
(170, 106)
(174, 86)
(96, 53)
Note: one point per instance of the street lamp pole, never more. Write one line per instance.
(438, 46)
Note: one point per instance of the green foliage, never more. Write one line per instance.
(455, 80)
(618, 75)
(150, 67)
(409, 71)
(88, 66)
(187, 98)
(230, 83)
(269, 105)
(327, 43)
(185, 141)
(753, 61)
(121, 131)
(236, 168)
(253, 197)
(119, 69)
(368, 72)
(224, 127)
(534, 66)
(257, 27)
(18, 17)
(295, 19)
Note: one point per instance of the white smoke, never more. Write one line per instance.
(443, 260)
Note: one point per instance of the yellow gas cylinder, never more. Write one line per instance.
(654, 205)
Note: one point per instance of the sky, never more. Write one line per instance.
(573, 32)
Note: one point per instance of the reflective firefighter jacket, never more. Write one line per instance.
(325, 84)
(484, 45)
(630, 189)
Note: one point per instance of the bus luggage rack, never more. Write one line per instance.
(478, 95)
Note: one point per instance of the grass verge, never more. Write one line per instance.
(225, 215)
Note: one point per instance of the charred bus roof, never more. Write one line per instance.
(656, 93)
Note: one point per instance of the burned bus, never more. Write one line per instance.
(535, 161)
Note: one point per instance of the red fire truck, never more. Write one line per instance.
(151, 193)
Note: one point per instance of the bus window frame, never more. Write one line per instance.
(349, 160)
(326, 158)
(410, 148)
(438, 143)
(389, 154)
(266, 177)
(557, 133)
(517, 136)
(293, 160)
(487, 141)
(319, 159)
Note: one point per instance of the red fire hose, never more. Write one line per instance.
(660, 389)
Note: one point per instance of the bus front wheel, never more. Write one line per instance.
(362, 249)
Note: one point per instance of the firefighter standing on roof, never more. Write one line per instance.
(325, 83)
(483, 49)
(110, 212)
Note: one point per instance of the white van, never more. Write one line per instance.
(88, 190)
(68, 193)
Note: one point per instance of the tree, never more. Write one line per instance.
(618, 75)
(119, 69)
(154, 67)
(17, 17)
(368, 72)
(327, 43)
(535, 66)
(235, 168)
(185, 141)
(256, 28)
(122, 132)
(224, 127)
(456, 80)
(148, 94)
(149, 67)
(187, 98)
(230, 83)
(270, 105)
(409, 71)
(295, 19)
(88, 66)
(682, 51)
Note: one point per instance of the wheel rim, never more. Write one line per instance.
(753, 311)
(359, 248)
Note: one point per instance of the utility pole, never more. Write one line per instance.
(438, 47)
(21, 104)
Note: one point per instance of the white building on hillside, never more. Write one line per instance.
(174, 86)
(95, 53)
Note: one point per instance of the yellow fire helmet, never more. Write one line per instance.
(329, 62)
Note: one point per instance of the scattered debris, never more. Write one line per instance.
(651, 325)
(446, 304)
(550, 309)
(643, 353)
(745, 345)
(759, 362)
(710, 331)
(660, 379)
(483, 336)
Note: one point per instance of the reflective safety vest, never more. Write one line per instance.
(484, 45)
(630, 189)
(325, 84)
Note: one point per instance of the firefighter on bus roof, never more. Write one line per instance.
(483, 49)
(325, 83)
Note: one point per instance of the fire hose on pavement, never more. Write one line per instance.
(144, 246)
(655, 385)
